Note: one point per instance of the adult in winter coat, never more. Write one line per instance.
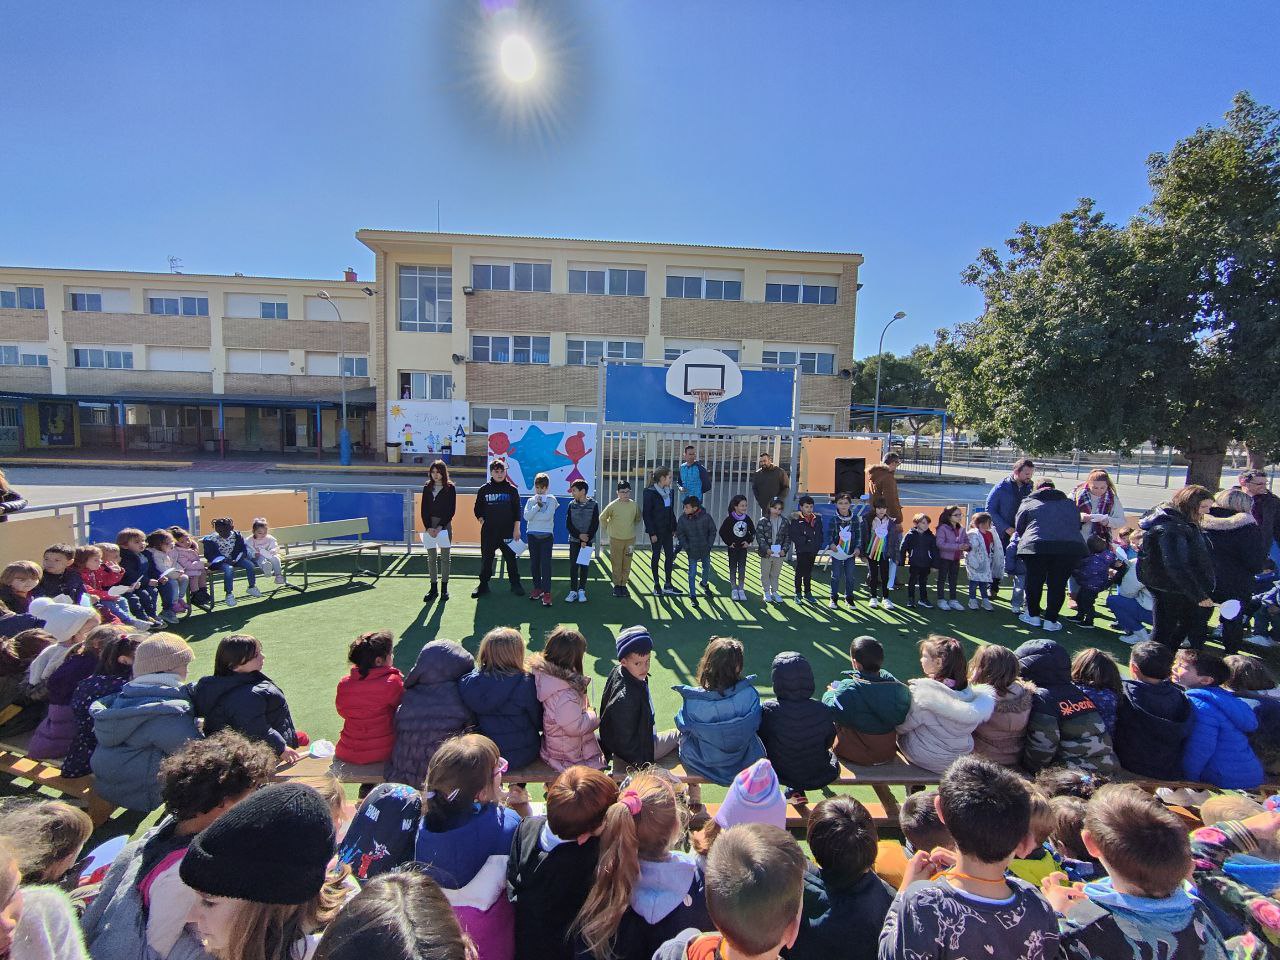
(658, 511)
(1101, 512)
(883, 485)
(431, 710)
(798, 731)
(1065, 727)
(1006, 498)
(568, 722)
(720, 717)
(149, 719)
(1176, 563)
(497, 508)
(769, 483)
(1239, 553)
(945, 709)
(1048, 529)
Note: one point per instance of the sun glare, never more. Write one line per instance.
(518, 60)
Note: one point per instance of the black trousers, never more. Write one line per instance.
(919, 580)
(1047, 576)
(804, 573)
(663, 547)
(1176, 617)
(492, 540)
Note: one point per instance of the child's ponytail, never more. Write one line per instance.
(461, 772)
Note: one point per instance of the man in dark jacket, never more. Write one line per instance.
(1004, 500)
(1175, 562)
(1153, 716)
(1239, 554)
(659, 514)
(768, 483)
(626, 708)
(1048, 529)
(798, 731)
(1266, 505)
(498, 510)
(1065, 727)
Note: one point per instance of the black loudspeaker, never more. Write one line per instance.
(851, 476)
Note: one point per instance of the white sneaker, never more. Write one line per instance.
(582, 596)
(1051, 626)
(254, 592)
(280, 580)
(572, 597)
(1132, 638)
(886, 603)
(832, 604)
(874, 602)
(231, 600)
(1259, 640)
(955, 605)
(973, 604)
(986, 605)
(1029, 620)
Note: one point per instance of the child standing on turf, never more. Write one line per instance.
(738, 533)
(952, 543)
(798, 731)
(568, 722)
(367, 700)
(619, 519)
(504, 697)
(843, 543)
(773, 540)
(984, 561)
(265, 549)
(720, 717)
(240, 696)
(881, 543)
(919, 554)
(974, 909)
(627, 734)
(806, 537)
(659, 513)
(539, 528)
(867, 706)
(583, 520)
(696, 532)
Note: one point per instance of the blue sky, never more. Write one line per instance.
(258, 137)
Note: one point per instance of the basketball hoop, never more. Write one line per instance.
(705, 404)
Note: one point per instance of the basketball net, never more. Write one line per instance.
(705, 405)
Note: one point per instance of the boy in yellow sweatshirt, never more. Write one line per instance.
(619, 521)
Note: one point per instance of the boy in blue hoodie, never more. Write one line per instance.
(1218, 750)
(1140, 908)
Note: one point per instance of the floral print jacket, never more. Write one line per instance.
(1260, 915)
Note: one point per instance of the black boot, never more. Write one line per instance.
(431, 594)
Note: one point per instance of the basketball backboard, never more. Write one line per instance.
(704, 369)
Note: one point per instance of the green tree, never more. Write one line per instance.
(904, 382)
(1095, 336)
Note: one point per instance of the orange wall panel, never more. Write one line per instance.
(285, 509)
(24, 538)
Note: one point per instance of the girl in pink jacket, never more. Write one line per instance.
(568, 722)
(952, 543)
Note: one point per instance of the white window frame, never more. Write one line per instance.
(607, 279)
(236, 355)
(434, 386)
(83, 301)
(354, 365)
(487, 413)
(273, 309)
(694, 283)
(22, 298)
(673, 349)
(21, 355)
(483, 347)
(589, 351)
(534, 270)
(177, 305)
(442, 278)
(778, 289)
(808, 357)
(109, 358)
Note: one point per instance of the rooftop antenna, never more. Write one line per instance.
(175, 264)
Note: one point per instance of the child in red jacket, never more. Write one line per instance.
(367, 700)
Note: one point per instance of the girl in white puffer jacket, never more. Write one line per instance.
(945, 710)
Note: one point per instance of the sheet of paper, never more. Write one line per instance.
(776, 549)
(518, 547)
(585, 555)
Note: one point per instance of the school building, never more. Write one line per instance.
(514, 326)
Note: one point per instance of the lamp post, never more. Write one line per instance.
(875, 416)
(344, 435)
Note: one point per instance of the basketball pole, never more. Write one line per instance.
(795, 430)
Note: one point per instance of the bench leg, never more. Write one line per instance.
(886, 797)
(100, 810)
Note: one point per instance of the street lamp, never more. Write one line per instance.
(875, 416)
(344, 435)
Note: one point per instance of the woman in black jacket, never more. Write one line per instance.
(1049, 543)
(1239, 552)
(659, 513)
(1176, 563)
(439, 503)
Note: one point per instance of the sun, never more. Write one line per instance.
(519, 63)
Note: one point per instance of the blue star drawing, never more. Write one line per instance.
(536, 451)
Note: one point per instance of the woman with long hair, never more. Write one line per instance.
(1176, 564)
(439, 503)
(1101, 513)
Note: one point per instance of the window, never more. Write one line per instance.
(177, 306)
(796, 288)
(809, 361)
(194, 359)
(580, 414)
(257, 361)
(426, 386)
(102, 357)
(520, 349)
(589, 352)
(19, 356)
(87, 302)
(815, 422)
(197, 415)
(426, 299)
(273, 310)
(690, 284)
(480, 416)
(614, 281)
(675, 351)
(531, 277)
(327, 365)
(23, 298)
(355, 366)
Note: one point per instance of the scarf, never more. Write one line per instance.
(1086, 506)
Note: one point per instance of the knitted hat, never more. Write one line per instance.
(161, 653)
(754, 797)
(63, 620)
(272, 847)
(634, 640)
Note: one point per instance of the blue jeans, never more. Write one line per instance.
(1019, 590)
(228, 569)
(143, 602)
(170, 593)
(843, 571)
(693, 570)
(1129, 613)
(120, 608)
(540, 545)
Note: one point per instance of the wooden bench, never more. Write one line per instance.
(48, 774)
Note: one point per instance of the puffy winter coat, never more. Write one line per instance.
(1001, 736)
(626, 719)
(984, 563)
(766, 539)
(367, 706)
(1048, 523)
(718, 730)
(1218, 749)
(507, 712)
(939, 727)
(697, 533)
(796, 730)
(882, 484)
(1003, 502)
(52, 738)
(806, 535)
(1065, 726)
(1175, 556)
(148, 720)
(431, 710)
(951, 542)
(872, 703)
(1239, 552)
(249, 703)
(920, 549)
(1153, 721)
(568, 722)
(1094, 571)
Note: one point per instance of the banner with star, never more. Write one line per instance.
(428, 426)
(565, 452)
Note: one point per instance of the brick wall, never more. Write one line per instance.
(289, 385)
(319, 335)
(80, 327)
(29, 326)
(827, 394)
(503, 311)
(111, 382)
(36, 379)
(512, 384)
